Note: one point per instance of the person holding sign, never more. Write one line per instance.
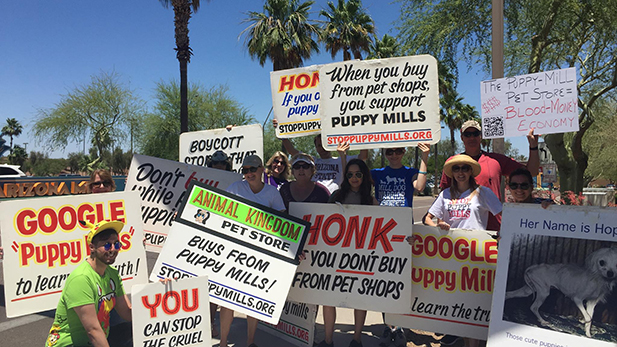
(395, 183)
(91, 291)
(277, 170)
(303, 189)
(329, 170)
(355, 190)
(465, 205)
(254, 189)
(493, 165)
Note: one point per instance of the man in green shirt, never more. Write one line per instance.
(91, 291)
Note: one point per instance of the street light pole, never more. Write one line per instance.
(497, 56)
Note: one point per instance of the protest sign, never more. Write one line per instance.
(357, 257)
(43, 242)
(162, 185)
(452, 282)
(173, 314)
(546, 101)
(295, 101)
(380, 103)
(196, 147)
(296, 325)
(556, 276)
(248, 251)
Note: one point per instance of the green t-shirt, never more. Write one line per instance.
(84, 286)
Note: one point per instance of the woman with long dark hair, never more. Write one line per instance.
(356, 189)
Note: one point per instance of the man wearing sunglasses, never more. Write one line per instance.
(493, 165)
(91, 291)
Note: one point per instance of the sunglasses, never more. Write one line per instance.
(277, 161)
(464, 168)
(357, 174)
(398, 151)
(472, 133)
(116, 245)
(98, 184)
(523, 186)
(250, 169)
(304, 166)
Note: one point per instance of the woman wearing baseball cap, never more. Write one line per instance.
(303, 189)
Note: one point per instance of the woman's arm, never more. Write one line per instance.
(428, 220)
(420, 182)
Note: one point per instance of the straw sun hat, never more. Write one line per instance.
(461, 159)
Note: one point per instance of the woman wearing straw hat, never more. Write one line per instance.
(465, 204)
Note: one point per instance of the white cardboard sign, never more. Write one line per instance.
(43, 242)
(296, 326)
(555, 259)
(295, 101)
(161, 185)
(546, 101)
(356, 257)
(248, 251)
(196, 147)
(380, 103)
(172, 314)
(452, 282)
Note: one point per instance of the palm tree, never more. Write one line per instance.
(12, 128)
(182, 13)
(282, 33)
(387, 47)
(348, 28)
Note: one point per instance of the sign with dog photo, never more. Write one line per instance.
(556, 277)
(248, 251)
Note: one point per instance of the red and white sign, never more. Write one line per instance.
(43, 242)
(173, 314)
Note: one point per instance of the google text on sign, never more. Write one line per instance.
(546, 101)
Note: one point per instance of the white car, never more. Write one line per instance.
(10, 171)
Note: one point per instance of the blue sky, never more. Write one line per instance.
(49, 47)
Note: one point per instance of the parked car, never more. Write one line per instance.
(10, 171)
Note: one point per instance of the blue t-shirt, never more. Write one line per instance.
(394, 187)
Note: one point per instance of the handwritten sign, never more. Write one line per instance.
(296, 326)
(452, 282)
(43, 242)
(172, 314)
(197, 147)
(357, 257)
(380, 103)
(162, 185)
(546, 101)
(295, 101)
(248, 251)
(555, 277)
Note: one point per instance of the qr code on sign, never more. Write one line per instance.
(493, 126)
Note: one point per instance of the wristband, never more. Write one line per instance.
(422, 172)
(533, 148)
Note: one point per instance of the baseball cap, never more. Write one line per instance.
(471, 124)
(103, 225)
(219, 156)
(252, 160)
(302, 157)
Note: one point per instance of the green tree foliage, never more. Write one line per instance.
(347, 28)
(600, 143)
(282, 33)
(539, 35)
(12, 129)
(18, 156)
(208, 109)
(100, 111)
(39, 164)
(387, 47)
